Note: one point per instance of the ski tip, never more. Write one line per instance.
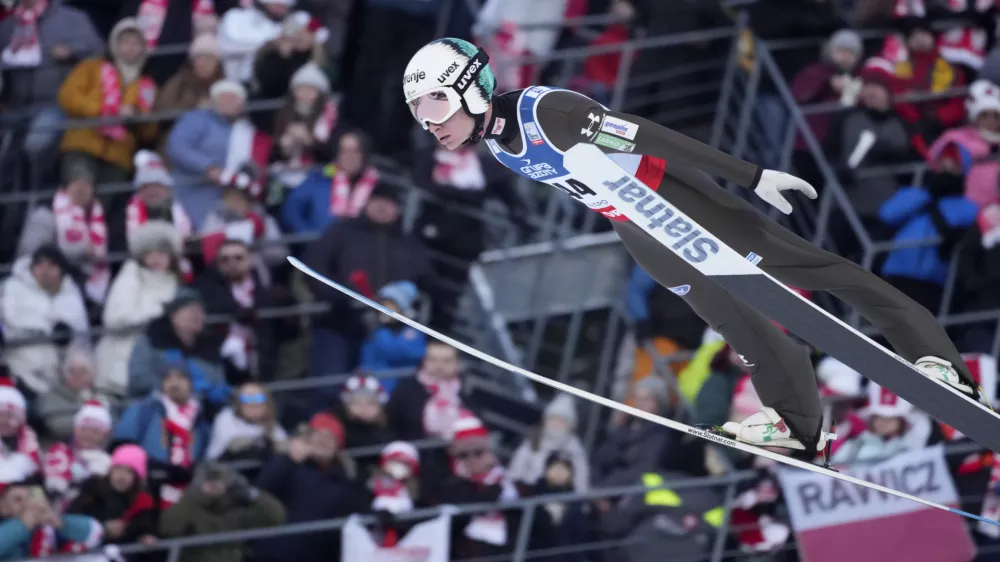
(972, 516)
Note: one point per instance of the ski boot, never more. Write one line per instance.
(939, 369)
(767, 429)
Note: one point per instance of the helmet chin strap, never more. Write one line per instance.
(478, 130)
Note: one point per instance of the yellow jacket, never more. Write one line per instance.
(81, 97)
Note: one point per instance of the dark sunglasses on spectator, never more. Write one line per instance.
(257, 398)
(474, 453)
(232, 257)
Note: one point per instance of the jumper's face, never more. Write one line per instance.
(441, 113)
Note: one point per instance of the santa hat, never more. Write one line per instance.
(301, 20)
(880, 70)
(838, 379)
(362, 384)
(402, 452)
(468, 427)
(93, 414)
(149, 169)
(884, 402)
(11, 398)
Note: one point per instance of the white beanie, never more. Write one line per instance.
(983, 96)
(149, 168)
(227, 87)
(10, 397)
(94, 414)
(562, 406)
(838, 378)
(311, 75)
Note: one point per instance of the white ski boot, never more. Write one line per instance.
(767, 429)
(937, 368)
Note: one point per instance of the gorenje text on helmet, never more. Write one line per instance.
(414, 76)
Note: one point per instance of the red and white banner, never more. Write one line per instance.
(426, 542)
(836, 521)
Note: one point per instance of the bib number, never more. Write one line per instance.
(575, 189)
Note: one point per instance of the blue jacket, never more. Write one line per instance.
(15, 537)
(142, 424)
(906, 210)
(307, 207)
(197, 142)
(388, 349)
(419, 8)
(640, 284)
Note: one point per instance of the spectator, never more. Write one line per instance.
(567, 523)
(171, 427)
(75, 224)
(148, 280)
(108, 88)
(19, 445)
(31, 528)
(68, 464)
(395, 483)
(556, 435)
(333, 192)
(154, 197)
(366, 424)
(638, 445)
(236, 289)
(40, 300)
(119, 501)
(478, 477)
(239, 217)
(314, 483)
(41, 42)
(248, 429)
(208, 147)
(179, 336)
(894, 426)
(220, 500)
(427, 404)
(936, 209)
(189, 87)
(57, 407)
(244, 30)
(969, 149)
(392, 344)
(365, 252)
(285, 50)
(170, 23)
(303, 126)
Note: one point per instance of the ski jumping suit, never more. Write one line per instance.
(672, 164)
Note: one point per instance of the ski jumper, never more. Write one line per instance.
(530, 130)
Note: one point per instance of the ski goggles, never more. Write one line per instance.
(437, 105)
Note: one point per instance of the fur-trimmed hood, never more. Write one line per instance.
(154, 234)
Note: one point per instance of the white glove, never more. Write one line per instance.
(772, 183)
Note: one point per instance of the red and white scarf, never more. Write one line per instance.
(137, 214)
(178, 429)
(44, 542)
(27, 445)
(326, 122)
(112, 93)
(246, 145)
(25, 49)
(490, 528)
(443, 406)
(153, 13)
(75, 228)
(347, 200)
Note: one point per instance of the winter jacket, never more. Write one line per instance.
(15, 538)
(142, 424)
(136, 507)
(360, 434)
(82, 97)
(160, 345)
(365, 256)
(235, 438)
(628, 451)
(242, 31)
(892, 145)
(237, 510)
(528, 463)
(26, 310)
(458, 491)
(912, 211)
(306, 209)
(177, 29)
(309, 494)
(198, 141)
(393, 347)
(57, 407)
(982, 167)
(58, 25)
(136, 298)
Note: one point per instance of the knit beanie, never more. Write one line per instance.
(131, 456)
(402, 293)
(50, 254)
(11, 399)
(401, 452)
(183, 297)
(845, 39)
(324, 421)
(227, 87)
(93, 414)
(311, 75)
(363, 385)
(468, 428)
(150, 169)
(562, 406)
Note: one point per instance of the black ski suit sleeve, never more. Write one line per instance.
(566, 119)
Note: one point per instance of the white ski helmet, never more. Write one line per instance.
(456, 70)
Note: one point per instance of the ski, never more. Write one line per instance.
(741, 277)
(606, 402)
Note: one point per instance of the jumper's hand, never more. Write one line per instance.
(772, 183)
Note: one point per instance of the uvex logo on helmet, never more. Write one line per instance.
(447, 72)
(414, 76)
(463, 82)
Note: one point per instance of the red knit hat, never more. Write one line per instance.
(324, 421)
(94, 414)
(403, 452)
(11, 398)
(468, 426)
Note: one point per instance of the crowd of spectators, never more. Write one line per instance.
(135, 405)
